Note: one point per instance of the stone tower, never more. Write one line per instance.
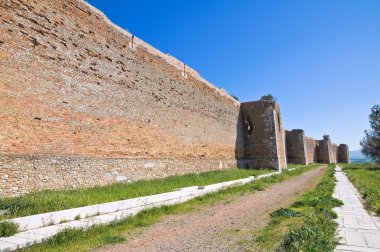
(263, 134)
(296, 147)
(343, 154)
(325, 150)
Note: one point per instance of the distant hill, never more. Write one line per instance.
(358, 157)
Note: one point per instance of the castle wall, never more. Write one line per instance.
(264, 136)
(97, 97)
(83, 103)
(343, 154)
(40, 172)
(71, 87)
(296, 147)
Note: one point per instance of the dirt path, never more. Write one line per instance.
(208, 229)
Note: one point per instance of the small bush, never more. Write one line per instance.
(317, 233)
(235, 97)
(8, 228)
(286, 212)
(268, 97)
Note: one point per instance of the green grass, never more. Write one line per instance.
(285, 212)
(118, 231)
(8, 228)
(270, 237)
(54, 200)
(366, 178)
(307, 225)
(317, 231)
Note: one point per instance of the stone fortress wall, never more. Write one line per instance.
(301, 149)
(84, 103)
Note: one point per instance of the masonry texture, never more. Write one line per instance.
(84, 103)
(301, 149)
(343, 153)
(296, 148)
(312, 150)
(41, 172)
(71, 86)
(264, 136)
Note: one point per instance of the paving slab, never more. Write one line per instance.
(358, 230)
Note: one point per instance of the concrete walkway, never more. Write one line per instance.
(359, 231)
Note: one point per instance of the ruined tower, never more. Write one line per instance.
(296, 147)
(343, 153)
(264, 136)
(325, 150)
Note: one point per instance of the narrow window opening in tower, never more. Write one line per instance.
(248, 126)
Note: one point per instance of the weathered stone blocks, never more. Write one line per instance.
(343, 153)
(264, 135)
(325, 151)
(26, 173)
(296, 148)
(322, 151)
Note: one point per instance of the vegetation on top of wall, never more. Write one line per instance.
(8, 228)
(235, 97)
(54, 200)
(268, 97)
(366, 178)
(307, 225)
(326, 137)
(101, 235)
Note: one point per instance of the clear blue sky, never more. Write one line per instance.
(320, 58)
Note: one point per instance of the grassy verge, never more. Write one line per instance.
(307, 225)
(366, 178)
(118, 231)
(54, 200)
